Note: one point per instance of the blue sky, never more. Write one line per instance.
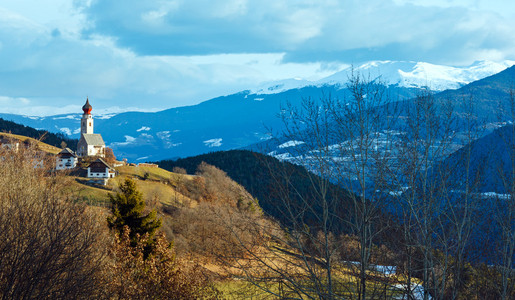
(150, 55)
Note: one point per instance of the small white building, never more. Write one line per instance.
(66, 159)
(100, 169)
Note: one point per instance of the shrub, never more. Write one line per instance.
(50, 247)
(156, 276)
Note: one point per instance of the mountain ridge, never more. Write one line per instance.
(222, 123)
(409, 74)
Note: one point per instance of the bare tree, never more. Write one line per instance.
(505, 204)
(346, 145)
(369, 158)
(436, 198)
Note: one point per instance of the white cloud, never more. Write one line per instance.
(10, 100)
(150, 55)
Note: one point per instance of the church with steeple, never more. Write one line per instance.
(90, 144)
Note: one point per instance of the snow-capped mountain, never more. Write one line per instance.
(491, 96)
(407, 74)
(241, 119)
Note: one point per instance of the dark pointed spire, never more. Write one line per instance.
(87, 107)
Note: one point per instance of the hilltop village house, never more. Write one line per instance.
(100, 169)
(66, 159)
(89, 145)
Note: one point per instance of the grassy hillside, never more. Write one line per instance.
(54, 139)
(41, 145)
(155, 186)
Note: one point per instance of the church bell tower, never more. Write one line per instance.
(86, 125)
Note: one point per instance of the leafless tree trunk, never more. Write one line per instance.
(505, 207)
(344, 143)
(365, 133)
(437, 199)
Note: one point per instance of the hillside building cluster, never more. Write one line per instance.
(90, 145)
(88, 161)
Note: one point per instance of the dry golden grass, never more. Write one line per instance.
(158, 189)
(153, 173)
(90, 195)
(42, 146)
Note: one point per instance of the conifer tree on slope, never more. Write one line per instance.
(127, 209)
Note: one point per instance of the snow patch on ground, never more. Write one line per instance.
(105, 116)
(386, 270)
(213, 143)
(66, 130)
(283, 156)
(128, 140)
(420, 74)
(144, 128)
(69, 117)
(417, 292)
(290, 144)
(275, 87)
(165, 137)
(489, 195)
(141, 140)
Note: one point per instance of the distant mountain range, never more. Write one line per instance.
(407, 74)
(242, 119)
(489, 100)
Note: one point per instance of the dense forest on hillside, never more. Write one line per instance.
(54, 139)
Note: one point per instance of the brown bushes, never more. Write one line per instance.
(213, 185)
(53, 248)
(49, 247)
(159, 276)
(214, 232)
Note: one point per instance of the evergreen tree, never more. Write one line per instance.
(127, 210)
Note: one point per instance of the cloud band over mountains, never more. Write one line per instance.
(159, 54)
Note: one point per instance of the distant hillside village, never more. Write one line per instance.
(92, 159)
